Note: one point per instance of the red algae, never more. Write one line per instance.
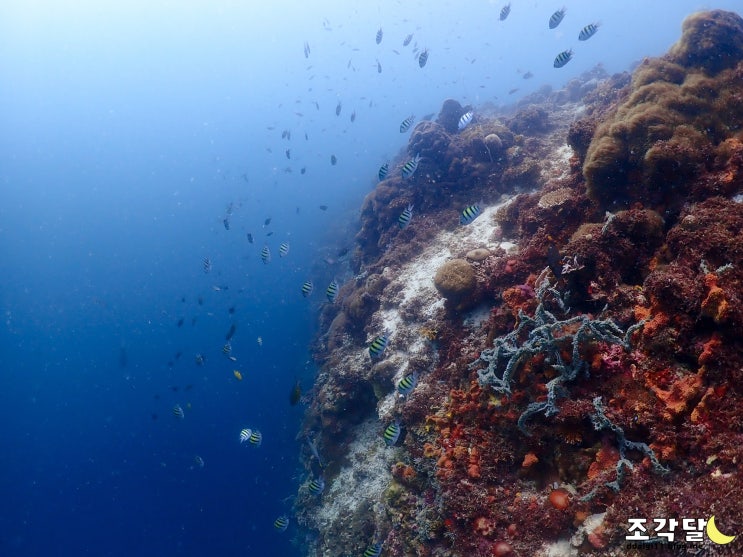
(652, 427)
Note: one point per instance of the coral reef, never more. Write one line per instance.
(573, 367)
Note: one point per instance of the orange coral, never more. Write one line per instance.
(430, 451)
(715, 305)
(676, 399)
(529, 459)
(606, 459)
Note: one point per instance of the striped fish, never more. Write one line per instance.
(265, 255)
(469, 214)
(465, 120)
(505, 11)
(332, 291)
(281, 523)
(405, 124)
(207, 264)
(307, 288)
(392, 433)
(383, 171)
(377, 346)
(407, 383)
(245, 434)
(283, 249)
(316, 486)
(405, 216)
(588, 31)
(556, 18)
(374, 550)
(563, 58)
(256, 438)
(227, 349)
(409, 168)
(178, 412)
(407, 40)
(380, 34)
(423, 58)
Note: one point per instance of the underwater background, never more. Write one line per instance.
(139, 140)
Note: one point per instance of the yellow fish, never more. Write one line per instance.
(238, 375)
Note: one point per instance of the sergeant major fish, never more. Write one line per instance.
(563, 58)
(380, 34)
(392, 433)
(556, 18)
(265, 255)
(505, 11)
(281, 523)
(245, 434)
(178, 412)
(307, 288)
(377, 346)
(405, 124)
(406, 385)
(332, 291)
(374, 550)
(283, 249)
(409, 168)
(316, 486)
(588, 31)
(404, 218)
(383, 171)
(469, 214)
(423, 58)
(407, 40)
(465, 120)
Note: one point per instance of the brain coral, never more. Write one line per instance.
(455, 280)
(680, 108)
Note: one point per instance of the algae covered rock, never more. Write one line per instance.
(455, 280)
(679, 110)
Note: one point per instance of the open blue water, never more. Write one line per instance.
(126, 131)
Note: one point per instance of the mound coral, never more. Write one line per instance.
(456, 282)
(679, 110)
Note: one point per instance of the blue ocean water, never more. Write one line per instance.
(128, 133)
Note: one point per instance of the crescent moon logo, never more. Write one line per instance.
(715, 535)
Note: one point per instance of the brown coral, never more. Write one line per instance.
(455, 280)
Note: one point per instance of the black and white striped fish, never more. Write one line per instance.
(380, 34)
(465, 120)
(283, 249)
(407, 383)
(423, 58)
(377, 346)
(405, 216)
(409, 168)
(332, 291)
(563, 58)
(392, 433)
(265, 255)
(556, 18)
(469, 214)
(588, 31)
(407, 40)
(505, 11)
(383, 171)
(405, 124)
(307, 288)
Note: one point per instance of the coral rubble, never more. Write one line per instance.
(576, 349)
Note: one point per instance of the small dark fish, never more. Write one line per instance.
(307, 288)
(469, 214)
(512, 91)
(303, 170)
(288, 153)
(554, 261)
(556, 18)
(333, 160)
(405, 216)
(377, 346)
(379, 67)
(405, 124)
(226, 223)
(295, 394)
(323, 207)
(250, 238)
(505, 11)
(353, 116)
(383, 171)
(180, 322)
(528, 75)
(407, 40)
(306, 49)
(269, 233)
(379, 35)
(200, 301)
(338, 108)
(231, 332)
(423, 58)
(267, 221)
(563, 58)
(231, 310)
(588, 31)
